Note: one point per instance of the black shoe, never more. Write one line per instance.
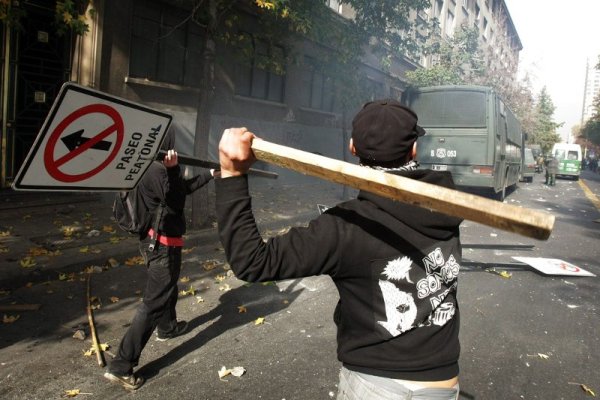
(179, 330)
(129, 382)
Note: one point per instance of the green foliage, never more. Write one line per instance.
(11, 15)
(70, 16)
(385, 27)
(544, 132)
(457, 60)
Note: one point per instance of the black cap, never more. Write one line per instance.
(384, 130)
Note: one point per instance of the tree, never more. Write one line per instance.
(544, 132)
(457, 60)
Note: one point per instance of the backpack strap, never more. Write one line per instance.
(158, 217)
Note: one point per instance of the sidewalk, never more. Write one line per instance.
(49, 240)
(46, 234)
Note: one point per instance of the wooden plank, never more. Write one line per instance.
(511, 218)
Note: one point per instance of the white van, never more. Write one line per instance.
(569, 156)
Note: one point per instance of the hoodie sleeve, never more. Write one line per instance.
(195, 183)
(299, 253)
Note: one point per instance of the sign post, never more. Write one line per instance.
(92, 141)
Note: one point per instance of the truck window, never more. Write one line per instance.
(457, 109)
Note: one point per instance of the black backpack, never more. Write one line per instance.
(135, 219)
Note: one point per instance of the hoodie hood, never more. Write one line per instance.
(430, 223)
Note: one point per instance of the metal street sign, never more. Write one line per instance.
(92, 141)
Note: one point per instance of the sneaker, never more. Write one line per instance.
(129, 382)
(180, 329)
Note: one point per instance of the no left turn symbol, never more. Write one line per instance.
(79, 146)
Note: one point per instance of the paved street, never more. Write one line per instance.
(524, 335)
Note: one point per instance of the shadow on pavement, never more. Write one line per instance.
(265, 300)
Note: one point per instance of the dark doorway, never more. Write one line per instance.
(40, 67)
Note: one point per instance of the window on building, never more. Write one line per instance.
(162, 48)
(372, 89)
(334, 5)
(439, 4)
(256, 76)
(320, 87)
(450, 23)
(485, 27)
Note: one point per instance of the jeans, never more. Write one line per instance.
(357, 386)
(157, 309)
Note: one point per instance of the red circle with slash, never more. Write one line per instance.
(117, 126)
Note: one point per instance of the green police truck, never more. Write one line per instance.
(471, 133)
(569, 156)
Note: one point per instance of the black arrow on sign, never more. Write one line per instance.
(76, 139)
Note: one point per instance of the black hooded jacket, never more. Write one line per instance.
(161, 184)
(395, 267)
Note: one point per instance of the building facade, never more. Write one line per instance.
(149, 52)
(591, 88)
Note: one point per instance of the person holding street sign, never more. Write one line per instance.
(163, 186)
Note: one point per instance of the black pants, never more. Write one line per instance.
(157, 309)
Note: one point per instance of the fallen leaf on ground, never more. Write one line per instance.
(242, 309)
(540, 355)
(585, 388)
(9, 319)
(225, 288)
(199, 299)
(27, 262)
(191, 291)
(504, 274)
(112, 262)
(79, 334)
(72, 392)
(210, 265)
(220, 278)
(137, 260)
(236, 371)
(62, 277)
(84, 249)
(4, 249)
(92, 350)
(4, 292)
(185, 279)
(115, 239)
(114, 299)
(187, 251)
(4, 233)
(259, 321)
(108, 229)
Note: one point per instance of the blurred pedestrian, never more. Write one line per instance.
(551, 171)
(163, 184)
(395, 265)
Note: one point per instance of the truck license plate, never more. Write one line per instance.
(438, 167)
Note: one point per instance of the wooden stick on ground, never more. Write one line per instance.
(95, 342)
(527, 222)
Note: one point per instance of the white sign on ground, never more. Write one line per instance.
(553, 266)
(92, 141)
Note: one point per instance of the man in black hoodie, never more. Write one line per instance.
(163, 184)
(395, 265)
